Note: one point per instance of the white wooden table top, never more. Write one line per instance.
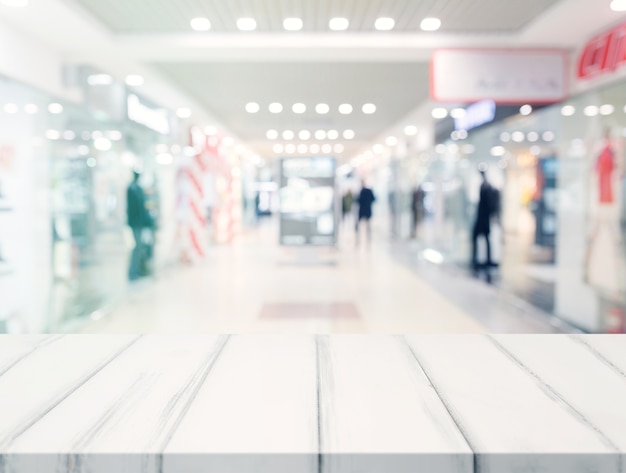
(300, 404)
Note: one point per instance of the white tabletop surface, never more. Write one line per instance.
(306, 403)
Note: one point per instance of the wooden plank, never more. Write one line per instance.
(380, 413)
(15, 348)
(592, 389)
(512, 423)
(257, 411)
(610, 349)
(48, 375)
(121, 419)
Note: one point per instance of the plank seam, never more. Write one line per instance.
(552, 393)
(46, 341)
(597, 354)
(10, 438)
(201, 375)
(447, 404)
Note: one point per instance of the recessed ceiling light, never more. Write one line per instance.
(288, 135)
(134, 80)
(276, 107)
(278, 148)
(391, 141)
(290, 148)
(332, 134)
(338, 24)
(338, 148)
(505, 137)
(498, 151)
(292, 24)
(457, 112)
(322, 108)
(298, 108)
(304, 135)
(410, 130)
(348, 134)
(31, 108)
(526, 109)
(517, 136)
(384, 24)
(568, 110)
(591, 111)
(55, 108)
(99, 79)
(200, 24)
(327, 148)
(252, 107)
(314, 148)
(15, 3)
(378, 148)
(102, 144)
(618, 5)
(115, 135)
(430, 24)
(345, 109)
(11, 108)
(69, 135)
(607, 109)
(439, 113)
(302, 148)
(246, 24)
(320, 135)
(53, 135)
(183, 112)
(547, 136)
(532, 136)
(369, 108)
(271, 134)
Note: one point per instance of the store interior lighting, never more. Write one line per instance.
(31, 108)
(568, 110)
(252, 107)
(271, 134)
(99, 79)
(439, 113)
(369, 108)
(322, 108)
(292, 24)
(348, 134)
(246, 24)
(183, 112)
(200, 24)
(55, 108)
(338, 24)
(298, 108)
(618, 5)
(384, 24)
(11, 108)
(332, 134)
(410, 130)
(275, 107)
(134, 80)
(430, 24)
(345, 109)
(304, 135)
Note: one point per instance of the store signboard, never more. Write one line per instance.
(156, 119)
(603, 54)
(307, 201)
(514, 76)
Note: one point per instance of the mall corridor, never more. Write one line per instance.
(255, 285)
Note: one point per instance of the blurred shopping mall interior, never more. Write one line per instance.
(200, 166)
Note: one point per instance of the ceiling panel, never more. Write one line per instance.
(162, 16)
(225, 88)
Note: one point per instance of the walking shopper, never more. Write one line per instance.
(365, 200)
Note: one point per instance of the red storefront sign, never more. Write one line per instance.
(604, 54)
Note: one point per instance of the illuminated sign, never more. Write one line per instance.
(155, 119)
(476, 115)
(603, 54)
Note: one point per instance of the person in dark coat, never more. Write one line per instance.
(482, 226)
(365, 200)
(417, 209)
(138, 219)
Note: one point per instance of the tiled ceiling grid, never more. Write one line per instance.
(170, 16)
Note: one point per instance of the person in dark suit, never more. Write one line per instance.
(365, 200)
(417, 209)
(482, 226)
(138, 219)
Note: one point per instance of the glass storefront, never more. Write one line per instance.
(559, 234)
(64, 172)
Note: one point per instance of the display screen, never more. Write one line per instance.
(307, 201)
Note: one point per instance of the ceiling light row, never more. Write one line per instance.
(306, 135)
(320, 108)
(133, 80)
(304, 148)
(590, 110)
(31, 108)
(531, 136)
(296, 24)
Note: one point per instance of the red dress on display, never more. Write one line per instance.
(604, 167)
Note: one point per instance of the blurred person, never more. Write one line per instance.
(417, 208)
(487, 207)
(346, 203)
(364, 201)
(139, 220)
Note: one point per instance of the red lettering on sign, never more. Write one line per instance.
(603, 54)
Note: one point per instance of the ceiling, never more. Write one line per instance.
(216, 72)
